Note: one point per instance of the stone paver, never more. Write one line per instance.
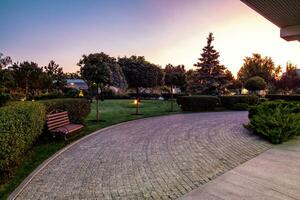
(155, 158)
(273, 175)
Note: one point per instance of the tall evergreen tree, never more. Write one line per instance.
(210, 76)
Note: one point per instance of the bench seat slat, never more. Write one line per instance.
(57, 114)
(68, 128)
(49, 122)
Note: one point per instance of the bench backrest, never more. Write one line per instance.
(57, 120)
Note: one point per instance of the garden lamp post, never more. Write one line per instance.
(136, 102)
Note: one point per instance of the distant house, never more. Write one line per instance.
(78, 84)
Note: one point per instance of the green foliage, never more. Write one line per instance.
(4, 98)
(54, 73)
(255, 83)
(258, 66)
(30, 78)
(141, 73)
(197, 103)
(175, 76)
(49, 95)
(294, 97)
(102, 70)
(78, 109)
(230, 102)
(278, 121)
(210, 78)
(20, 125)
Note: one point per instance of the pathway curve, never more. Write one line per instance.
(155, 158)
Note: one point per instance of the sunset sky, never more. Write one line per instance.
(164, 31)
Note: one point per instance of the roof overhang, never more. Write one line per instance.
(284, 14)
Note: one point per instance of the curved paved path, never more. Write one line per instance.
(155, 158)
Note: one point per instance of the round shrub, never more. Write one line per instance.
(197, 103)
(20, 125)
(255, 83)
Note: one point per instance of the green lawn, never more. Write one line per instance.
(112, 111)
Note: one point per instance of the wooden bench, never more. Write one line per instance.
(60, 123)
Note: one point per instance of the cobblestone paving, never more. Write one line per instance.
(155, 158)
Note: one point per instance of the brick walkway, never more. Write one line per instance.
(155, 158)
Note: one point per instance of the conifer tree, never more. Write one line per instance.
(210, 76)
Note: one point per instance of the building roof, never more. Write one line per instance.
(283, 13)
(75, 81)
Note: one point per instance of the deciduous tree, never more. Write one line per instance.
(259, 66)
(174, 77)
(141, 73)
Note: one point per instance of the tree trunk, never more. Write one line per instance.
(171, 98)
(137, 93)
(26, 88)
(97, 103)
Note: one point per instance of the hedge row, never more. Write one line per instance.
(294, 97)
(278, 121)
(20, 125)
(204, 103)
(78, 108)
(198, 103)
(230, 102)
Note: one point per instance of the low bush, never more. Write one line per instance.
(229, 101)
(20, 125)
(294, 97)
(4, 98)
(278, 121)
(50, 95)
(197, 103)
(240, 106)
(78, 108)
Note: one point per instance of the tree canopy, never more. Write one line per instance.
(101, 69)
(55, 75)
(141, 73)
(210, 76)
(175, 75)
(259, 66)
(28, 76)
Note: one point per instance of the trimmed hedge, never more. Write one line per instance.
(197, 103)
(78, 108)
(278, 121)
(293, 97)
(20, 125)
(4, 98)
(230, 101)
